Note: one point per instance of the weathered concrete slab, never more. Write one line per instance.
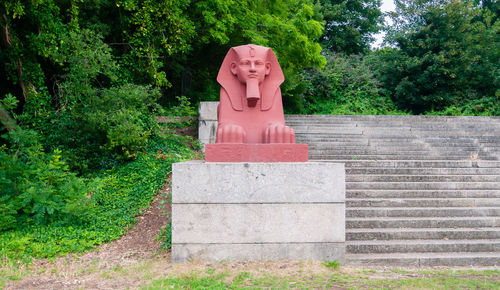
(258, 251)
(208, 110)
(258, 223)
(207, 130)
(207, 126)
(294, 182)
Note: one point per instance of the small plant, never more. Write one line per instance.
(165, 236)
(331, 264)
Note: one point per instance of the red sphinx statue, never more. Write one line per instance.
(250, 114)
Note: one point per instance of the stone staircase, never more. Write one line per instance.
(420, 190)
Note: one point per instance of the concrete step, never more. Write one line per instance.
(443, 132)
(394, 117)
(422, 202)
(423, 171)
(391, 119)
(405, 118)
(330, 131)
(417, 163)
(408, 194)
(422, 222)
(422, 178)
(372, 152)
(425, 259)
(365, 146)
(466, 145)
(341, 143)
(423, 246)
(421, 130)
(423, 185)
(355, 212)
(382, 157)
(422, 234)
(370, 148)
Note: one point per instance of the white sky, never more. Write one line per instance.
(387, 5)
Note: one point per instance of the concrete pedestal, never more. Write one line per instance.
(258, 211)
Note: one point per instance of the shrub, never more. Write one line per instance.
(345, 86)
(36, 188)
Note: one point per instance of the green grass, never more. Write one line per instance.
(116, 197)
(331, 264)
(362, 280)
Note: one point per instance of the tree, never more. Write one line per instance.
(350, 24)
(445, 55)
(291, 28)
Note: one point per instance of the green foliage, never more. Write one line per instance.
(447, 55)
(487, 106)
(183, 109)
(345, 86)
(331, 264)
(154, 29)
(165, 236)
(115, 197)
(292, 28)
(350, 24)
(36, 188)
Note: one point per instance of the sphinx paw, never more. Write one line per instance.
(230, 133)
(279, 133)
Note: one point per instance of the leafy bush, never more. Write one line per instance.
(474, 107)
(116, 196)
(345, 86)
(101, 120)
(36, 188)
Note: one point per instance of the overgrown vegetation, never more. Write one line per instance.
(445, 57)
(346, 86)
(112, 199)
(443, 60)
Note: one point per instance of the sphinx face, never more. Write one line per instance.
(251, 68)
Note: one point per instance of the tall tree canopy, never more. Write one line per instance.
(99, 68)
(350, 24)
(446, 54)
(173, 45)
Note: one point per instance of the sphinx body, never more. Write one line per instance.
(251, 109)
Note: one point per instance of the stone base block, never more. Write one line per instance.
(258, 252)
(224, 152)
(258, 211)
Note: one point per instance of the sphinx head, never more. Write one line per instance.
(251, 68)
(251, 63)
(250, 73)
